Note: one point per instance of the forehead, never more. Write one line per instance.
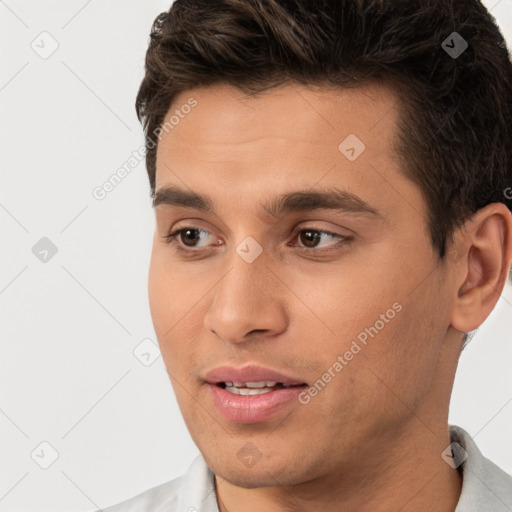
(246, 154)
(289, 138)
(293, 121)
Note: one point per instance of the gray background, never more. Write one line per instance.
(73, 372)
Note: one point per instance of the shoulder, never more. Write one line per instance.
(194, 491)
(485, 486)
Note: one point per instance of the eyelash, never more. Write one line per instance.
(172, 238)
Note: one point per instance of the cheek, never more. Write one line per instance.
(390, 332)
(400, 361)
(343, 305)
(175, 306)
(164, 304)
(164, 300)
(169, 290)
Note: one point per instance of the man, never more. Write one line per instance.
(331, 184)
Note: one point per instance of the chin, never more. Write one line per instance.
(262, 474)
(251, 479)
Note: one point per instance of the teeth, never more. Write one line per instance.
(262, 384)
(247, 391)
(253, 388)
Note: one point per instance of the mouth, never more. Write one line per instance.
(252, 394)
(255, 388)
(250, 377)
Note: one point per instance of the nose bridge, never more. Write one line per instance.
(244, 299)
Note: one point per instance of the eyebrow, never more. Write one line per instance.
(297, 201)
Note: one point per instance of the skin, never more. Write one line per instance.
(372, 438)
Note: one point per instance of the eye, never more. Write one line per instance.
(188, 236)
(310, 238)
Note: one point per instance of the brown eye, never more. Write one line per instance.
(309, 238)
(319, 240)
(188, 236)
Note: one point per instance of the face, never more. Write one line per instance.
(306, 260)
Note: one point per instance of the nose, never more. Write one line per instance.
(249, 302)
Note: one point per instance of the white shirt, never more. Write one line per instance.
(485, 487)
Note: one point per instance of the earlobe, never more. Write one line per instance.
(484, 253)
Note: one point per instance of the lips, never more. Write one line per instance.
(251, 394)
(253, 388)
(250, 374)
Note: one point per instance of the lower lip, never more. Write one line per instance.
(253, 408)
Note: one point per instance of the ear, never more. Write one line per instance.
(481, 256)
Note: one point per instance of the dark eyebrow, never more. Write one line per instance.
(300, 200)
(308, 200)
(174, 196)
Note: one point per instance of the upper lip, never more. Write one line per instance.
(248, 373)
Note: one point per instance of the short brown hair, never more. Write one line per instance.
(455, 128)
